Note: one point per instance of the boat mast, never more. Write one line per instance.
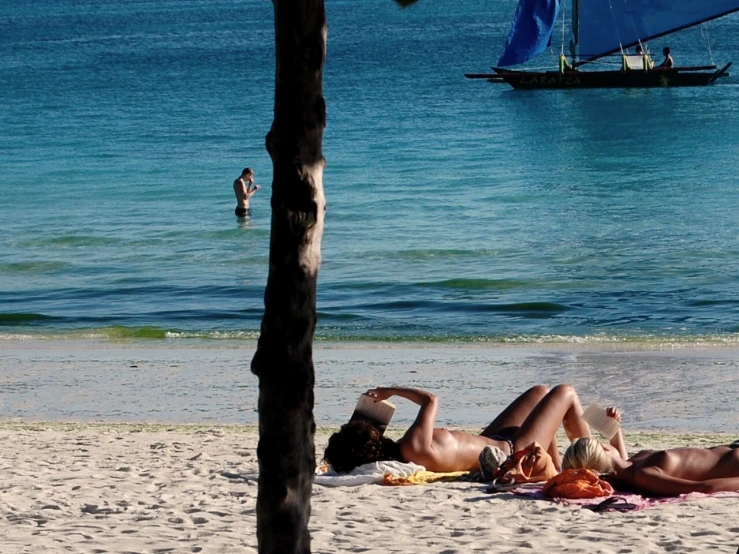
(575, 40)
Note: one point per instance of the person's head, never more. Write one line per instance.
(666, 50)
(359, 442)
(587, 453)
(247, 174)
(639, 49)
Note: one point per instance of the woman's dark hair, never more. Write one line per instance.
(359, 442)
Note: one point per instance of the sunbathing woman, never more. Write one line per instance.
(661, 472)
(534, 416)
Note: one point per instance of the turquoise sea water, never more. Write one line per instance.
(457, 210)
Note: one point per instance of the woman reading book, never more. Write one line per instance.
(535, 416)
(660, 472)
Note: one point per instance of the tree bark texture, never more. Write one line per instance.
(284, 357)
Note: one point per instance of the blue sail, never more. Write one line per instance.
(531, 31)
(607, 24)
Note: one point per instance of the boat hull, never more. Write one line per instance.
(676, 77)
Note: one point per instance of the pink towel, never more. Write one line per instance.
(619, 501)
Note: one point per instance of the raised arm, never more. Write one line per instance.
(418, 438)
(617, 440)
(251, 190)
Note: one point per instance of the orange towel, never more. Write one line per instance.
(577, 483)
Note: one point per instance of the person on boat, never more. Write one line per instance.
(534, 416)
(660, 472)
(244, 189)
(668, 62)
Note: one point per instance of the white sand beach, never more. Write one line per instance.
(128, 447)
(95, 488)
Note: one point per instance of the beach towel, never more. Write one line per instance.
(623, 502)
(373, 473)
(617, 501)
(423, 477)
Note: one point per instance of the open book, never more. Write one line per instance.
(596, 416)
(378, 413)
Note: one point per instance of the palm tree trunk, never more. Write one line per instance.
(284, 357)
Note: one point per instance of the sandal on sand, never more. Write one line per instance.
(612, 503)
(502, 484)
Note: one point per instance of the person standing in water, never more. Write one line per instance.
(244, 189)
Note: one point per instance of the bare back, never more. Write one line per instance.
(242, 196)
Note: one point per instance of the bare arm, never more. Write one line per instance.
(654, 481)
(251, 190)
(418, 437)
(617, 440)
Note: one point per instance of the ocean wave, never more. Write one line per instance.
(478, 284)
(33, 267)
(151, 333)
(21, 318)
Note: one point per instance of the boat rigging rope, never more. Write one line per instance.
(633, 24)
(708, 41)
(618, 35)
(564, 16)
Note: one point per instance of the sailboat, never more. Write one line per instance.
(601, 28)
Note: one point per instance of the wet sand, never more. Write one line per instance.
(659, 387)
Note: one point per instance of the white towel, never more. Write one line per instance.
(367, 474)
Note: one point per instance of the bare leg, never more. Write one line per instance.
(516, 412)
(560, 405)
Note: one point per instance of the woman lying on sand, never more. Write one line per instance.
(660, 472)
(534, 416)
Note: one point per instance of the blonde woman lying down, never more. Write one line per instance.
(659, 472)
